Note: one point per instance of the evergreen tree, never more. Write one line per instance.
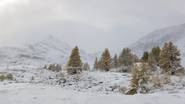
(145, 56)
(74, 64)
(126, 57)
(115, 61)
(170, 58)
(96, 66)
(105, 61)
(140, 78)
(86, 67)
(153, 58)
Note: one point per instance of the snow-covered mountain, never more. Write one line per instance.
(49, 50)
(175, 34)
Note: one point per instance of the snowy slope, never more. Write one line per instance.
(49, 50)
(175, 34)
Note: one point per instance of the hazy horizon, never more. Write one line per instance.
(91, 24)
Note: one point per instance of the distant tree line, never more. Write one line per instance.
(125, 59)
(166, 58)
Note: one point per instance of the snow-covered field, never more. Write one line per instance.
(24, 93)
(35, 85)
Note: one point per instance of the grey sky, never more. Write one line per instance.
(91, 24)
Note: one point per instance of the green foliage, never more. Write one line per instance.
(6, 77)
(2, 77)
(74, 64)
(145, 56)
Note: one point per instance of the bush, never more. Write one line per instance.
(9, 77)
(53, 67)
(6, 77)
(2, 77)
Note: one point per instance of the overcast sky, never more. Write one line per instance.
(91, 24)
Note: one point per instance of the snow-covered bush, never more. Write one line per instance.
(6, 76)
(124, 69)
(54, 67)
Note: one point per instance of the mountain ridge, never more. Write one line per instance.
(176, 34)
(48, 50)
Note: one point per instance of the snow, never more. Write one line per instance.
(175, 34)
(47, 51)
(24, 93)
(91, 87)
(33, 84)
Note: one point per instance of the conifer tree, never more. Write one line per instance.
(115, 61)
(145, 56)
(140, 78)
(96, 63)
(86, 67)
(153, 57)
(169, 58)
(126, 57)
(105, 61)
(74, 64)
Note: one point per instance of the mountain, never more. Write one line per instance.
(49, 50)
(175, 34)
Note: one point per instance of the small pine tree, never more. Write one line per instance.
(145, 56)
(86, 67)
(140, 78)
(115, 61)
(105, 61)
(169, 58)
(153, 57)
(96, 66)
(74, 64)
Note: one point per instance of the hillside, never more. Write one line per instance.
(175, 34)
(49, 50)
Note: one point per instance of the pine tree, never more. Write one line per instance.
(115, 61)
(74, 64)
(96, 66)
(153, 57)
(126, 57)
(145, 56)
(105, 61)
(86, 67)
(169, 58)
(140, 78)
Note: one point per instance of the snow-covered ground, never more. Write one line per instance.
(24, 93)
(35, 85)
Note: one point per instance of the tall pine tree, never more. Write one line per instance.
(169, 58)
(115, 61)
(74, 64)
(153, 57)
(126, 57)
(96, 66)
(105, 61)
